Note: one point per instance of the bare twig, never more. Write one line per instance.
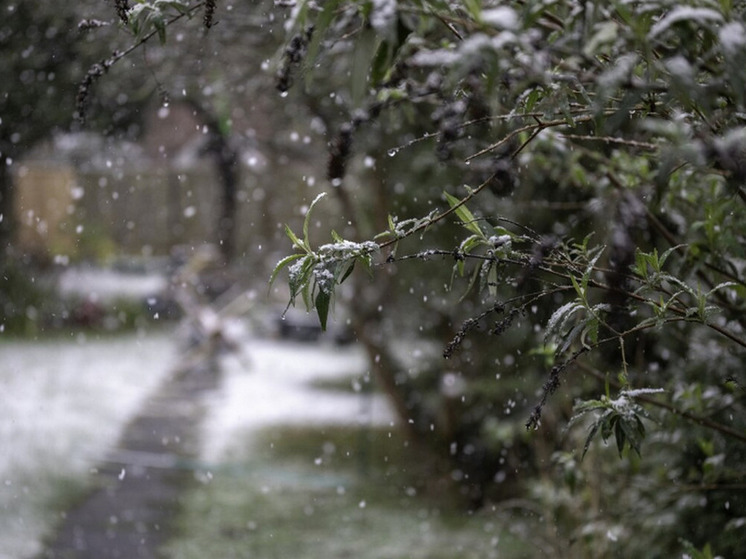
(611, 140)
(537, 127)
(441, 216)
(100, 68)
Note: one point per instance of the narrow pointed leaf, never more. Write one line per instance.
(283, 264)
(322, 307)
(464, 214)
(307, 220)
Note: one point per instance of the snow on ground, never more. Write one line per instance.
(64, 403)
(270, 385)
(104, 284)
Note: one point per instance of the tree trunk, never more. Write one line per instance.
(219, 146)
(226, 160)
(6, 214)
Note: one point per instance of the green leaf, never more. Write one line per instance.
(591, 330)
(470, 243)
(559, 318)
(322, 302)
(586, 406)
(578, 290)
(641, 264)
(367, 263)
(307, 220)
(589, 269)
(297, 243)
(283, 264)
(608, 419)
(492, 280)
(176, 5)
(721, 286)
(474, 7)
(620, 435)
(381, 63)
(300, 278)
(348, 268)
(320, 25)
(632, 434)
(160, 25)
(462, 212)
(591, 433)
(472, 282)
(666, 254)
(305, 293)
(571, 337)
(532, 99)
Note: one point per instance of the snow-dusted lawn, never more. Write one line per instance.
(271, 384)
(62, 404)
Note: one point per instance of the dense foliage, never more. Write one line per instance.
(553, 191)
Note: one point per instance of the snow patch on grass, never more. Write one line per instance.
(64, 403)
(273, 388)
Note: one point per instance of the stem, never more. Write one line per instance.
(439, 217)
(538, 127)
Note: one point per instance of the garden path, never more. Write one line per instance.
(138, 486)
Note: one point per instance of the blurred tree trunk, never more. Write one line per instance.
(226, 160)
(220, 147)
(6, 213)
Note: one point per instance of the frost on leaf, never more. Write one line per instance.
(620, 417)
(314, 274)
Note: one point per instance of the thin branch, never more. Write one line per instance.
(722, 331)
(450, 26)
(550, 386)
(611, 140)
(441, 216)
(714, 487)
(495, 118)
(499, 307)
(541, 125)
(100, 68)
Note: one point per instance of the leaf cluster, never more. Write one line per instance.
(146, 17)
(314, 274)
(622, 119)
(620, 417)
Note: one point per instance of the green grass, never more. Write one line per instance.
(333, 493)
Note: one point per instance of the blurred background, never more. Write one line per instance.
(159, 398)
(133, 241)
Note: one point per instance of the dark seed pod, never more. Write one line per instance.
(208, 18)
(86, 24)
(478, 108)
(84, 89)
(450, 119)
(339, 153)
(122, 7)
(502, 182)
(294, 54)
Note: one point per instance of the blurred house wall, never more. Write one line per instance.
(90, 198)
(44, 203)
